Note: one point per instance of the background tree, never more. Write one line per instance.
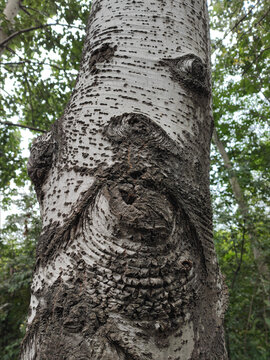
(241, 112)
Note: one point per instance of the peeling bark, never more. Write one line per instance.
(126, 267)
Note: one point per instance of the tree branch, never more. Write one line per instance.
(8, 123)
(237, 23)
(257, 57)
(254, 25)
(19, 32)
(32, 62)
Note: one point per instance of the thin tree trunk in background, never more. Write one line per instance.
(126, 267)
(244, 210)
(10, 12)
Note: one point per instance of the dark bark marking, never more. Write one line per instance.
(102, 54)
(94, 9)
(40, 160)
(189, 71)
(139, 129)
(143, 289)
(137, 138)
(130, 291)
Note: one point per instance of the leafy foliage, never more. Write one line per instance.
(38, 71)
(10, 157)
(17, 248)
(247, 332)
(241, 100)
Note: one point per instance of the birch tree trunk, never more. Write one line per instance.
(126, 267)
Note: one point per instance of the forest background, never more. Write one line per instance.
(40, 50)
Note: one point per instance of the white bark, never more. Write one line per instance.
(11, 11)
(126, 267)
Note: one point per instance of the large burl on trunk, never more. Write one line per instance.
(126, 267)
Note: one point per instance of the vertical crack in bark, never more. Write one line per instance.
(126, 265)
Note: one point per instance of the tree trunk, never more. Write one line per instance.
(126, 267)
(244, 210)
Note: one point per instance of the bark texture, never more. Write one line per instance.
(126, 267)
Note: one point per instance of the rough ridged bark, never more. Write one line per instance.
(126, 267)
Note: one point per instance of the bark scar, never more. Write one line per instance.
(190, 71)
(102, 54)
(137, 128)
